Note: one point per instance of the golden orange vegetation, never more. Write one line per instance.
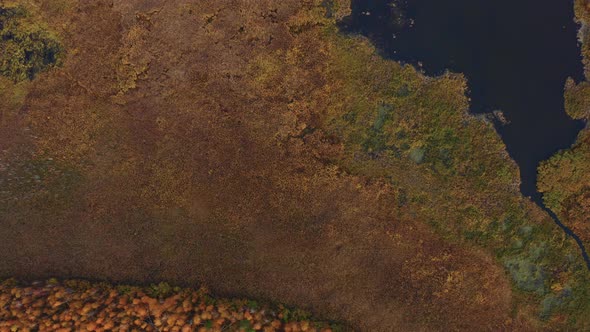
(82, 306)
(250, 146)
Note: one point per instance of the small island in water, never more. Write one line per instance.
(322, 165)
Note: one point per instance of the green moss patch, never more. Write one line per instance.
(26, 49)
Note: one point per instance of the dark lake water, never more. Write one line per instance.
(516, 55)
